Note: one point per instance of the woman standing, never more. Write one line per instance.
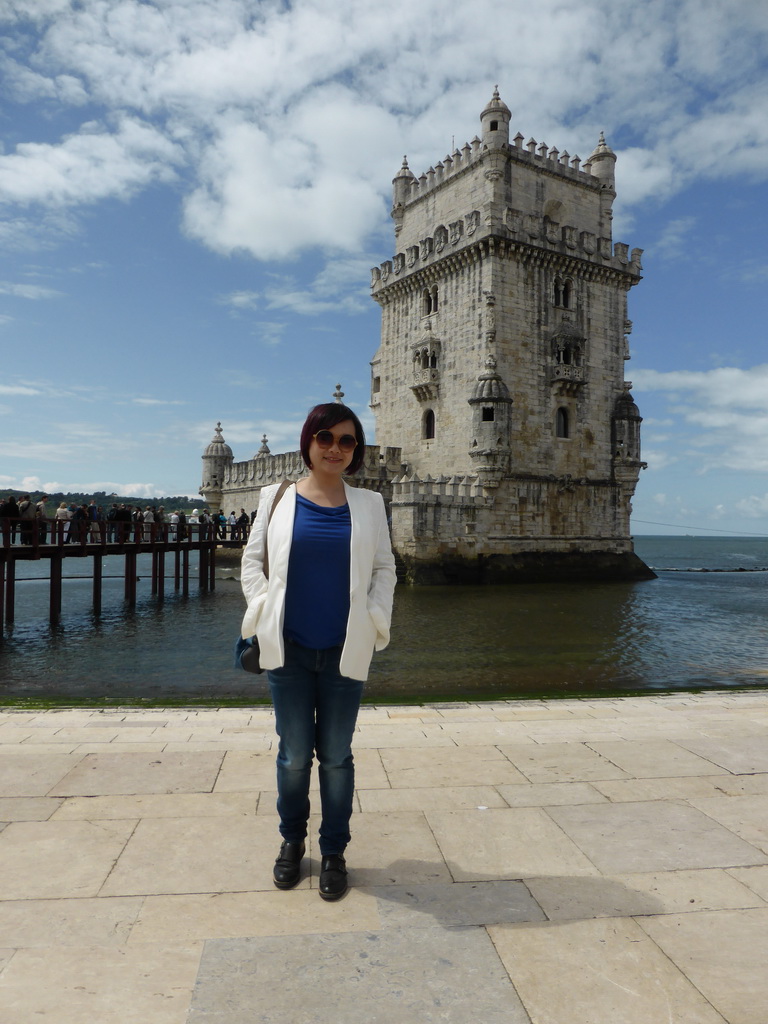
(325, 608)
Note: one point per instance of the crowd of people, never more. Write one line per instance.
(28, 522)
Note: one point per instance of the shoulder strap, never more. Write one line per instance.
(280, 492)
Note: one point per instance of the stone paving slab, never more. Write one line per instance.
(410, 977)
(533, 862)
(100, 985)
(602, 971)
(641, 894)
(513, 843)
(170, 919)
(177, 855)
(724, 954)
(137, 772)
(456, 906)
(26, 772)
(652, 836)
(41, 859)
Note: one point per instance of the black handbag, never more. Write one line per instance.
(247, 651)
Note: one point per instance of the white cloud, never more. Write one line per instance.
(270, 332)
(282, 434)
(19, 389)
(91, 165)
(673, 240)
(28, 291)
(135, 490)
(288, 115)
(157, 401)
(257, 195)
(657, 458)
(725, 411)
(334, 289)
(14, 483)
(241, 300)
(753, 507)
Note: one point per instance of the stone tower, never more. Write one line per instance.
(500, 373)
(217, 459)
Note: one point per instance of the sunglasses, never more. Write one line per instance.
(325, 439)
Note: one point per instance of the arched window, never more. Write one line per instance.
(561, 423)
(429, 301)
(562, 292)
(429, 424)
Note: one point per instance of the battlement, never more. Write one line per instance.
(537, 154)
(494, 188)
(490, 190)
(460, 490)
(542, 233)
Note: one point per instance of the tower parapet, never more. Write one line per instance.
(574, 219)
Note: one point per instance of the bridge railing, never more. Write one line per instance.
(35, 533)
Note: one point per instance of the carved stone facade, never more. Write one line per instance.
(509, 441)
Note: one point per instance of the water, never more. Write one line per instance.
(688, 629)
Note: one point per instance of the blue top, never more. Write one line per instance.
(317, 593)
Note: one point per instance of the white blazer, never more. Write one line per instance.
(371, 579)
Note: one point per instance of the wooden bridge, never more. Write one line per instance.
(54, 541)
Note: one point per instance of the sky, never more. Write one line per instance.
(193, 192)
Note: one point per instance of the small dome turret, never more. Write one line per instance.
(217, 460)
(491, 425)
(401, 188)
(625, 407)
(495, 121)
(218, 446)
(602, 162)
(625, 427)
(490, 385)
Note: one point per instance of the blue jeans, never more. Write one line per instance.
(315, 713)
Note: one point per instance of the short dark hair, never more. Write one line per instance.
(328, 415)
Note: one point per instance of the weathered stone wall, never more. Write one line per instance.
(243, 481)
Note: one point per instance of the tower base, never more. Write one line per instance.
(524, 567)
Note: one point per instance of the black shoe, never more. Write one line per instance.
(287, 869)
(333, 877)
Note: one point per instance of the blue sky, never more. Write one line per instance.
(192, 195)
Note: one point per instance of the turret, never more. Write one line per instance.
(602, 162)
(401, 189)
(602, 165)
(495, 121)
(491, 415)
(625, 428)
(217, 457)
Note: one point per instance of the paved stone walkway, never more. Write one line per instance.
(563, 862)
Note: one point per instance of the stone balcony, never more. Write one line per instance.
(426, 383)
(567, 377)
